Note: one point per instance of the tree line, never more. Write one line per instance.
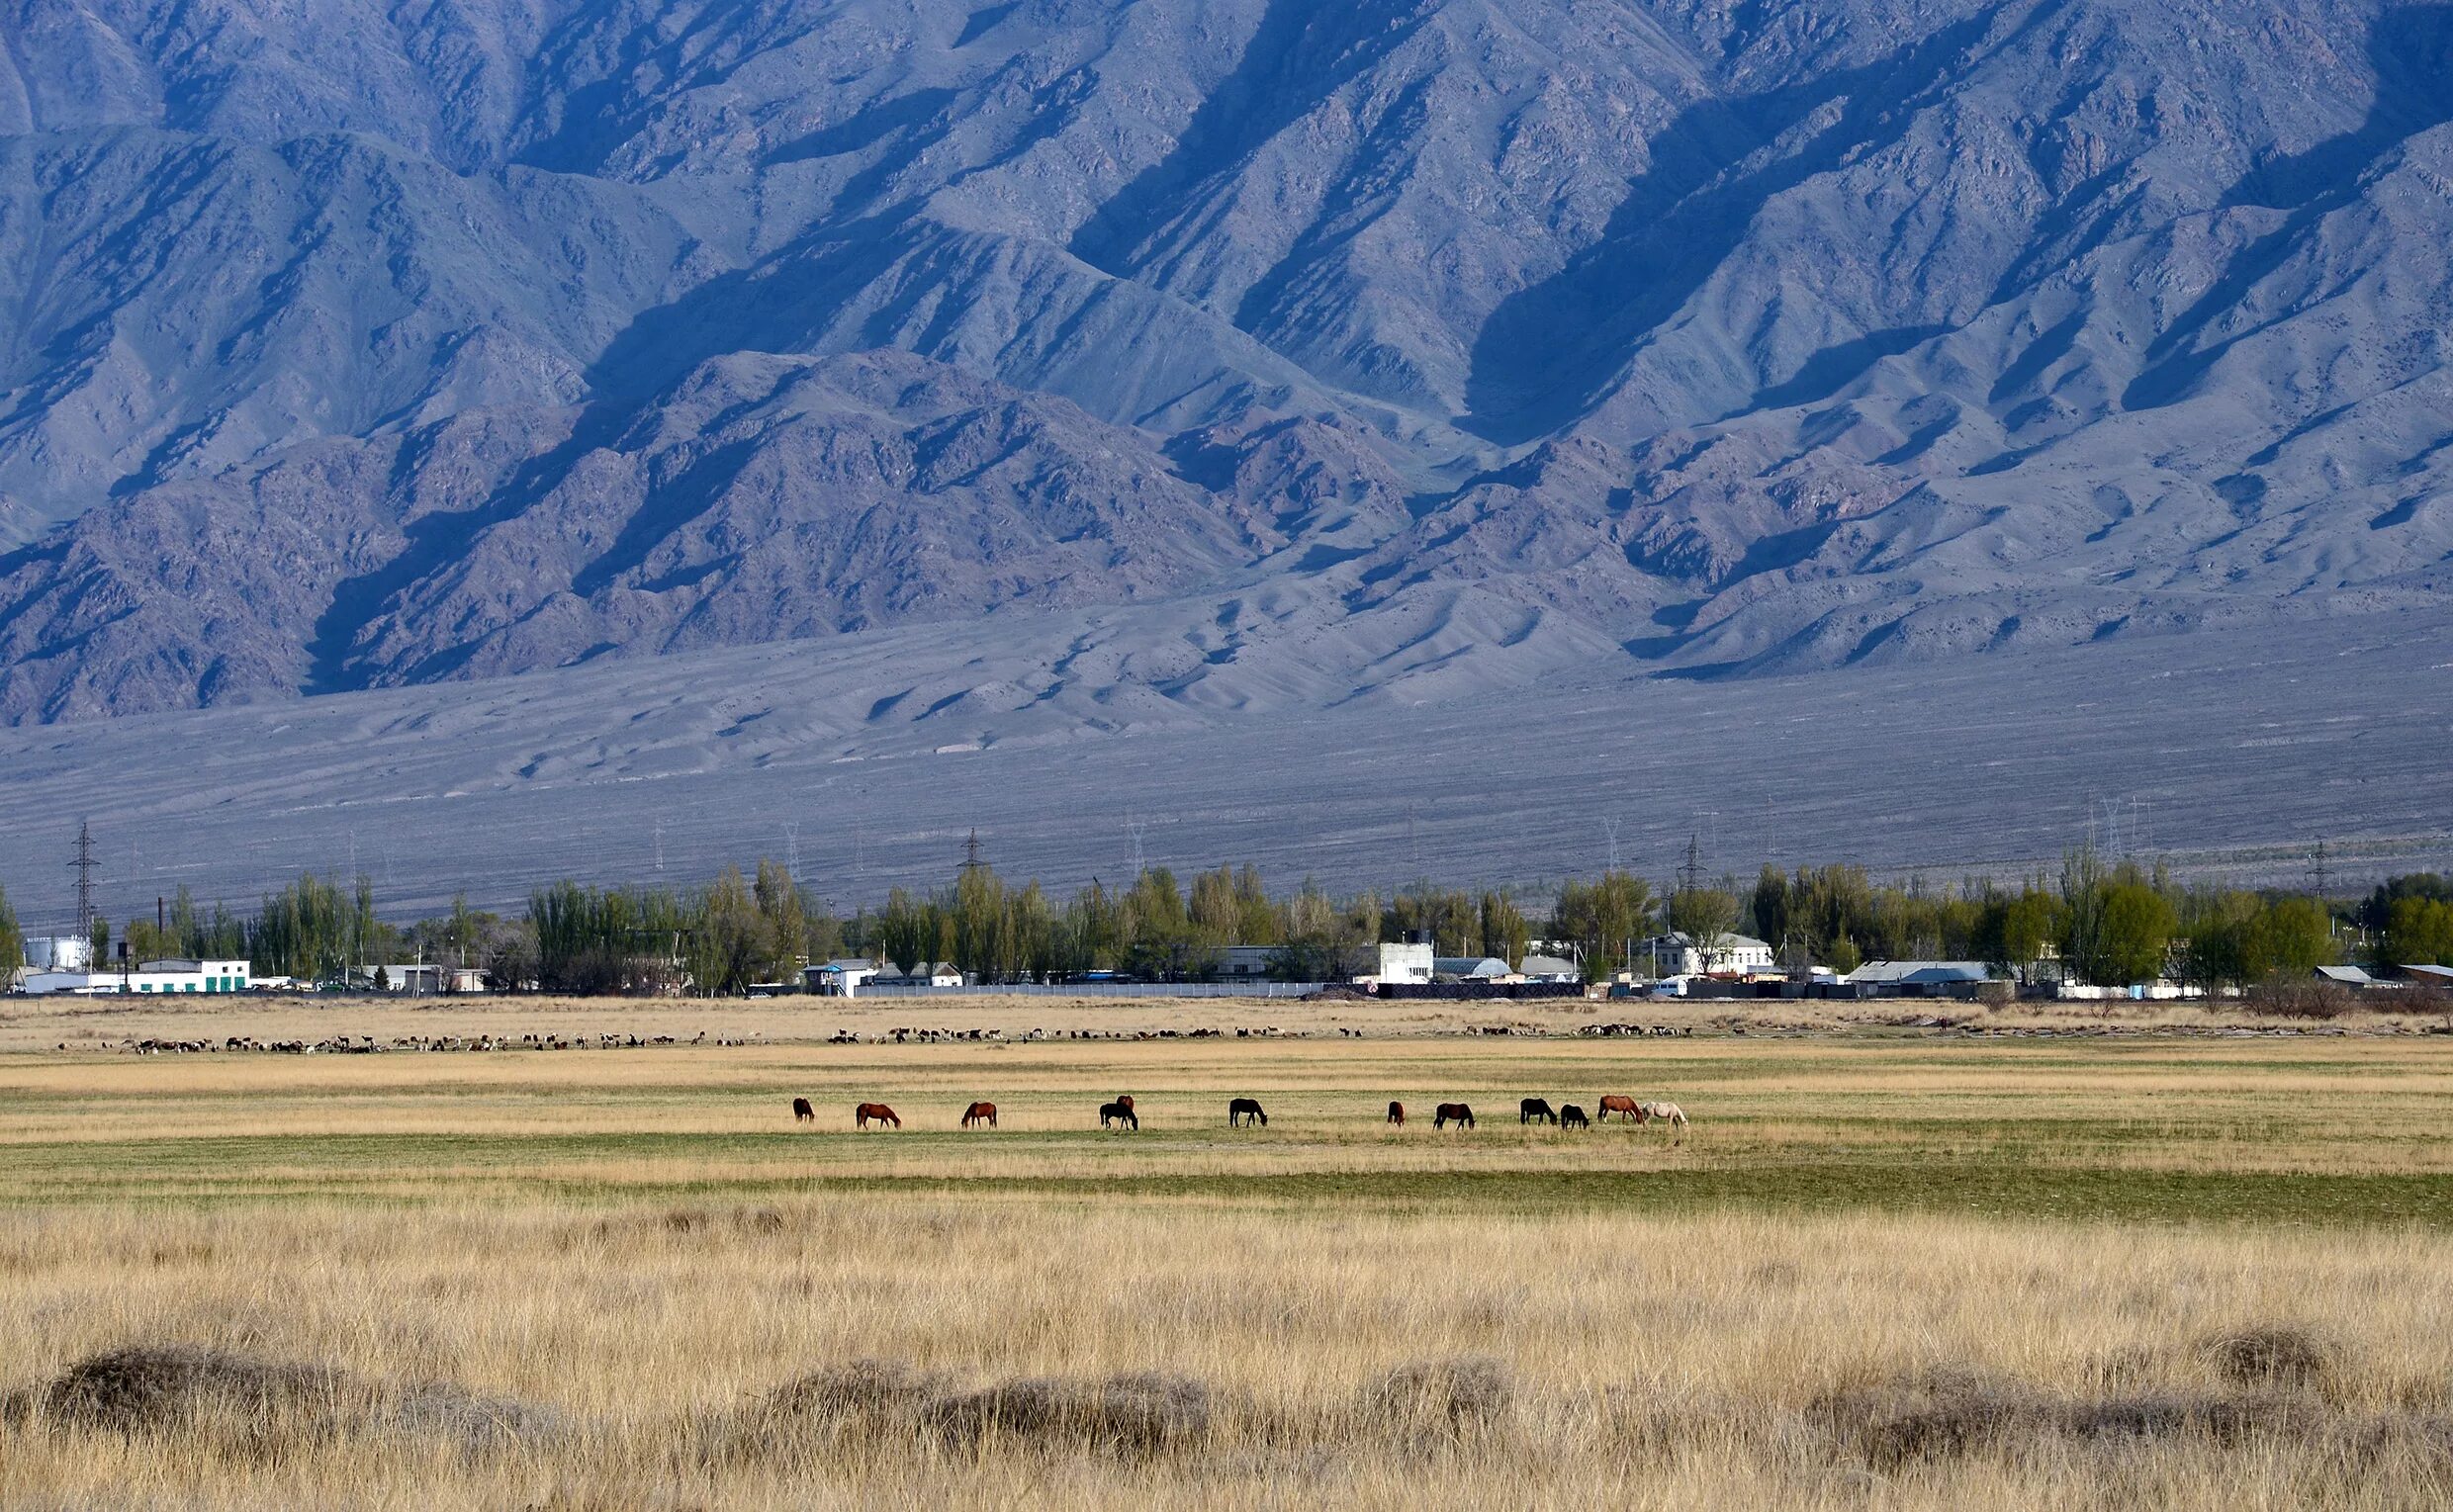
(2107, 922)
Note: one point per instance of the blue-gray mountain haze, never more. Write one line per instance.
(1099, 365)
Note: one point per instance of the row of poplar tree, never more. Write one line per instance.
(2096, 922)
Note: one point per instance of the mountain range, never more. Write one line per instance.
(1244, 354)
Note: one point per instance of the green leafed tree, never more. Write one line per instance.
(1505, 928)
(12, 940)
(1605, 917)
(2418, 932)
(1706, 915)
(2132, 931)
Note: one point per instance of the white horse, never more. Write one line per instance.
(1668, 1113)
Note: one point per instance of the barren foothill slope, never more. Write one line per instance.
(354, 346)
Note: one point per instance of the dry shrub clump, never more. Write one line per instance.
(1144, 1412)
(262, 1405)
(2273, 1381)
(2276, 1355)
(2292, 998)
(872, 1403)
(1457, 1396)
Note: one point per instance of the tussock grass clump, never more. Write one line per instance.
(874, 1402)
(2276, 1355)
(254, 1403)
(1459, 1394)
(1932, 1414)
(873, 1390)
(149, 1387)
(1144, 1412)
(1950, 1412)
(869, 1401)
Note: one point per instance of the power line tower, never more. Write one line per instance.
(970, 853)
(1690, 870)
(2318, 870)
(83, 865)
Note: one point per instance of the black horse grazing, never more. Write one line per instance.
(1118, 1113)
(1397, 1113)
(1245, 1111)
(1452, 1113)
(1573, 1116)
(1535, 1110)
(802, 1112)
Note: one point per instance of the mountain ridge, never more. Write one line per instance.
(376, 347)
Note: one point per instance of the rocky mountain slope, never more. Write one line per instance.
(1291, 353)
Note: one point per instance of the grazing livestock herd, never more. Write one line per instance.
(1246, 1113)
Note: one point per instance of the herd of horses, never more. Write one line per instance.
(1246, 1113)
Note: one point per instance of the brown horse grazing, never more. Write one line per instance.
(1119, 1111)
(802, 1112)
(1397, 1113)
(1247, 1110)
(1452, 1113)
(868, 1113)
(1125, 1101)
(1626, 1108)
(1535, 1110)
(1573, 1116)
(979, 1112)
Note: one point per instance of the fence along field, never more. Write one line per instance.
(1880, 1269)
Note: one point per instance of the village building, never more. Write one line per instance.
(1403, 963)
(839, 978)
(1247, 963)
(1676, 954)
(157, 976)
(1470, 968)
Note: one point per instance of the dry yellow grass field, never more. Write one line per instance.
(1884, 1269)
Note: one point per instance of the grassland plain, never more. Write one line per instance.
(1887, 1267)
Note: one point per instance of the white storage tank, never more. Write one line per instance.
(63, 953)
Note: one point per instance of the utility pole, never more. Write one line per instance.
(83, 865)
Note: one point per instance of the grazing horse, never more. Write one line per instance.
(1119, 1111)
(1535, 1110)
(1125, 1101)
(802, 1112)
(866, 1112)
(1573, 1116)
(1245, 1110)
(1668, 1113)
(1397, 1113)
(1452, 1113)
(1624, 1106)
(979, 1112)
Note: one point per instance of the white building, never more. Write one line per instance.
(1676, 954)
(839, 978)
(163, 976)
(1404, 961)
(419, 979)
